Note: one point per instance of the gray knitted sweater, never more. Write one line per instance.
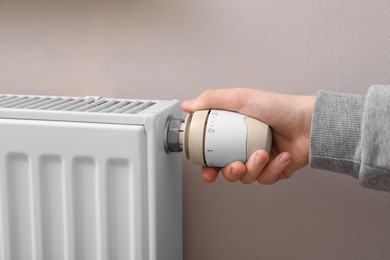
(350, 134)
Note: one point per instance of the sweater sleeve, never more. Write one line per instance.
(350, 134)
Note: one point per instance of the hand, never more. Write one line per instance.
(290, 119)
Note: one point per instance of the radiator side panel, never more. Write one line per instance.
(164, 191)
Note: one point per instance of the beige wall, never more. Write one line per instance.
(174, 49)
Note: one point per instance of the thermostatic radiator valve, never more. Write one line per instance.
(216, 138)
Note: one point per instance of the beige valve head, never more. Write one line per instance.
(217, 137)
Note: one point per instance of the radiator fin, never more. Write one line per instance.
(53, 231)
(85, 200)
(119, 201)
(19, 207)
(86, 104)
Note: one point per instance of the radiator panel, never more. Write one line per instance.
(79, 194)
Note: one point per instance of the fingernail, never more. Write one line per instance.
(284, 158)
(188, 103)
(259, 160)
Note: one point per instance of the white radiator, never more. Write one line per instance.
(88, 178)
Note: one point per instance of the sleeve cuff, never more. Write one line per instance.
(335, 138)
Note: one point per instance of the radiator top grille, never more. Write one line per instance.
(84, 109)
(75, 104)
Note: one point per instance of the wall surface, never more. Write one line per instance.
(175, 49)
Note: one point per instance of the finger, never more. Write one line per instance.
(234, 171)
(254, 166)
(209, 174)
(274, 169)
